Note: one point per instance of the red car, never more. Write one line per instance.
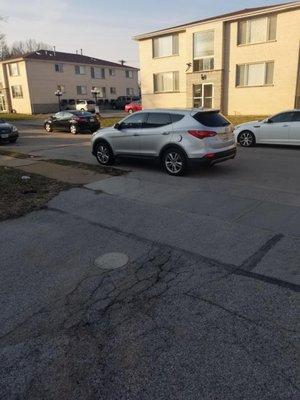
(133, 107)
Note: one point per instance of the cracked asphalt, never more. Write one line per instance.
(205, 308)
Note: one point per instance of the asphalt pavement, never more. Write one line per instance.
(146, 286)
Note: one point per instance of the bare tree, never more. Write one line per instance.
(28, 46)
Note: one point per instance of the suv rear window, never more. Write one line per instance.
(211, 119)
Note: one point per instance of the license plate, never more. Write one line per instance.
(4, 135)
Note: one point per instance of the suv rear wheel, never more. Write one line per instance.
(174, 161)
(104, 154)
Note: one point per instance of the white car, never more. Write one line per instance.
(86, 105)
(282, 128)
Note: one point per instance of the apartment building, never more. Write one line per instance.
(28, 84)
(244, 62)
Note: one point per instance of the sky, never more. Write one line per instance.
(104, 29)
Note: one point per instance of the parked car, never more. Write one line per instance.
(282, 128)
(134, 106)
(8, 132)
(85, 105)
(121, 101)
(176, 137)
(72, 121)
(68, 104)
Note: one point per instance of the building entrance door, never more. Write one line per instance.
(203, 95)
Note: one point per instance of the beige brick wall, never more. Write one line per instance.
(231, 99)
(214, 77)
(284, 51)
(151, 66)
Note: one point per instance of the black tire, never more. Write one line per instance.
(246, 139)
(48, 127)
(74, 129)
(13, 140)
(174, 161)
(104, 153)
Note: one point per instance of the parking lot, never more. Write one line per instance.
(198, 303)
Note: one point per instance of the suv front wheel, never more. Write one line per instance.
(104, 154)
(174, 161)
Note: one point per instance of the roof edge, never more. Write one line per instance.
(224, 17)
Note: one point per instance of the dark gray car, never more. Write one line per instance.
(8, 132)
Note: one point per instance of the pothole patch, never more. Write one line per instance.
(111, 261)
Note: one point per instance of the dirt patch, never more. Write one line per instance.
(90, 167)
(21, 196)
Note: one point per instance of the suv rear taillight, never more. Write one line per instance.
(202, 134)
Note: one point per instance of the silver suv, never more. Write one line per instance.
(175, 137)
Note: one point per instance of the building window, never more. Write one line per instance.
(112, 72)
(258, 74)
(59, 67)
(14, 69)
(129, 73)
(204, 51)
(113, 90)
(81, 90)
(103, 92)
(17, 92)
(166, 82)
(257, 30)
(80, 70)
(203, 95)
(129, 92)
(97, 73)
(165, 46)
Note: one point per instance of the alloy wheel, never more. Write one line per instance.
(48, 127)
(246, 139)
(103, 154)
(73, 129)
(174, 162)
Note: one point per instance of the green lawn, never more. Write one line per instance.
(106, 122)
(240, 119)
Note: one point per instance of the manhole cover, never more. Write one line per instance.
(112, 260)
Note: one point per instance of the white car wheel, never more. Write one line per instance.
(246, 139)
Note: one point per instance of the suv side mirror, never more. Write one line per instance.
(269, 121)
(118, 126)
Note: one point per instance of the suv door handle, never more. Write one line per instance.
(285, 126)
(136, 134)
(166, 133)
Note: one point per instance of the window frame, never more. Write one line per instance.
(202, 97)
(175, 89)
(265, 63)
(98, 73)
(13, 94)
(248, 31)
(81, 86)
(175, 46)
(113, 90)
(10, 69)
(79, 67)
(129, 94)
(112, 72)
(60, 67)
(128, 74)
(210, 57)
